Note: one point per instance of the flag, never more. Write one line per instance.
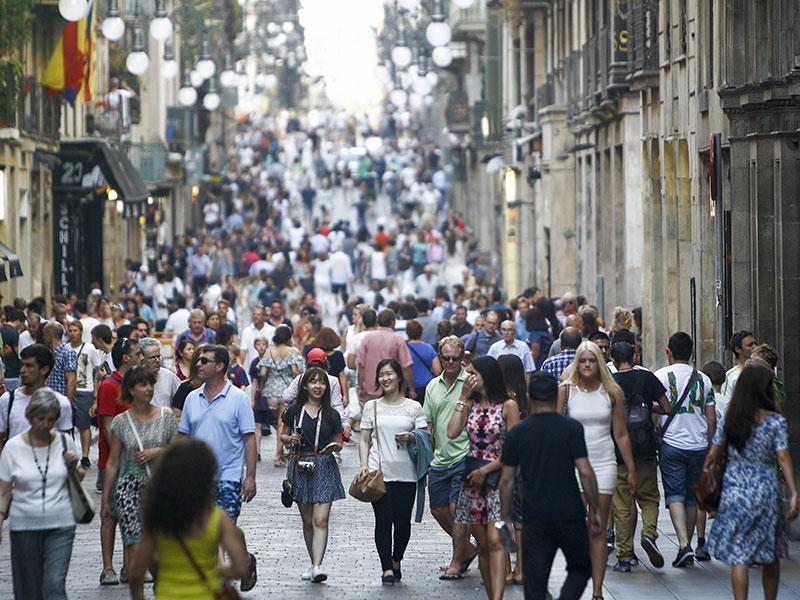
(71, 67)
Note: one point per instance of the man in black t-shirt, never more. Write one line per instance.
(548, 447)
(643, 391)
(15, 322)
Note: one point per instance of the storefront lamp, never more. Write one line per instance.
(112, 195)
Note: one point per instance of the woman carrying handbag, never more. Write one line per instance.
(389, 422)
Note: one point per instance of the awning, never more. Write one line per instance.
(90, 164)
(14, 267)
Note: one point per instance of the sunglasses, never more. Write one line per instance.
(451, 359)
(204, 361)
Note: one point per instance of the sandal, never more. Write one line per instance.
(451, 576)
(279, 463)
(465, 564)
(248, 582)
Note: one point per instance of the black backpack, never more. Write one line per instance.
(639, 420)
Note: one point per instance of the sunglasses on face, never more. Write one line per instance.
(204, 361)
(450, 359)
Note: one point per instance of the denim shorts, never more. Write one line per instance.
(444, 484)
(680, 472)
(80, 410)
(229, 498)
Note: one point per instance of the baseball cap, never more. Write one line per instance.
(315, 356)
(542, 387)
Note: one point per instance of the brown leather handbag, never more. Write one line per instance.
(708, 492)
(370, 487)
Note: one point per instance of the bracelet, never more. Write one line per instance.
(460, 404)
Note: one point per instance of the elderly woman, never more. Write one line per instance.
(33, 473)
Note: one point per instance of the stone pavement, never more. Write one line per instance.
(274, 536)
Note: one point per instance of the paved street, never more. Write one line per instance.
(274, 536)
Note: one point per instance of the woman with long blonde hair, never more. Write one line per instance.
(589, 394)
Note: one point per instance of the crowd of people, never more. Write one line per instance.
(532, 424)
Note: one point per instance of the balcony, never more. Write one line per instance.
(25, 109)
(113, 119)
(643, 53)
(468, 22)
(149, 160)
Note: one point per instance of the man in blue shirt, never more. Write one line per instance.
(479, 342)
(220, 414)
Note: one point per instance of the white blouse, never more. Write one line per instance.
(406, 416)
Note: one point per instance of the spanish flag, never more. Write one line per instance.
(70, 71)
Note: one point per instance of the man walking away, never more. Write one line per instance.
(570, 340)
(548, 447)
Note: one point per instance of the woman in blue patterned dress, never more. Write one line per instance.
(750, 527)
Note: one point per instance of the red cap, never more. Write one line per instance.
(316, 355)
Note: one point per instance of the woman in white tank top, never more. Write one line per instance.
(589, 394)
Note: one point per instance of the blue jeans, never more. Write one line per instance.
(39, 563)
(680, 472)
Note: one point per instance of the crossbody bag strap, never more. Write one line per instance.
(138, 439)
(683, 397)
(377, 433)
(196, 566)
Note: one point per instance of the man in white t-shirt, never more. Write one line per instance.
(87, 321)
(28, 337)
(88, 362)
(166, 381)
(341, 273)
(37, 362)
(178, 321)
(685, 442)
(258, 328)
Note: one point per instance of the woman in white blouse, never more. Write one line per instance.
(33, 473)
(387, 428)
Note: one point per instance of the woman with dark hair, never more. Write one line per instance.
(181, 529)
(280, 364)
(138, 437)
(514, 378)
(443, 329)
(487, 412)
(425, 360)
(751, 527)
(548, 307)
(314, 430)
(184, 354)
(188, 385)
(312, 327)
(329, 342)
(387, 428)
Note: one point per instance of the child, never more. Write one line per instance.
(260, 407)
(236, 374)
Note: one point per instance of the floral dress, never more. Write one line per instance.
(486, 428)
(279, 372)
(133, 475)
(750, 527)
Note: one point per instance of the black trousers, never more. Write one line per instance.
(393, 511)
(540, 540)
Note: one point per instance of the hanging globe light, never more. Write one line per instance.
(73, 10)
(463, 4)
(160, 26)
(113, 26)
(428, 100)
(195, 78)
(187, 95)
(169, 68)
(205, 65)
(137, 61)
(288, 27)
(211, 100)
(438, 33)
(273, 28)
(228, 77)
(398, 97)
(421, 86)
(442, 56)
(415, 101)
(401, 53)
(432, 78)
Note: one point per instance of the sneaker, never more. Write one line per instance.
(123, 576)
(109, 577)
(684, 558)
(317, 576)
(85, 462)
(307, 574)
(610, 540)
(635, 561)
(653, 553)
(623, 566)
(701, 553)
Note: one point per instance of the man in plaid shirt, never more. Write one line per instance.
(62, 377)
(570, 340)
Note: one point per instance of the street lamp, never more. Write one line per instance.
(438, 32)
(401, 53)
(442, 56)
(169, 67)
(187, 95)
(137, 61)
(211, 100)
(113, 27)
(206, 67)
(228, 77)
(160, 26)
(73, 10)
(463, 4)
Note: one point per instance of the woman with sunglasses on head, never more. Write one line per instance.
(387, 429)
(589, 394)
(314, 430)
(487, 412)
(138, 437)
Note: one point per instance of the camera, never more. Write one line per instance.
(306, 466)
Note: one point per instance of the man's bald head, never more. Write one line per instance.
(570, 338)
(575, 321)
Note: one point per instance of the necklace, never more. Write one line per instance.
(42, 473)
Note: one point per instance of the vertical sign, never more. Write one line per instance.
(64, 267)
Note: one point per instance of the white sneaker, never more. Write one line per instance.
(317, 576)
(306, 576)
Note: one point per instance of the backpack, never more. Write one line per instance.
(639, 420)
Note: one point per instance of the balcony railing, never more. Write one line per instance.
(465, 21)
(643, 48)
(113, 119)
(149, 160)
(26, 108)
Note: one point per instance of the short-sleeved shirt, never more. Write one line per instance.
(167, 384)
(11, 360)
(422, 354)
(440, 402)
(19, 422)
(88, 359)
(478, 343)
(66, 362)
(327, 429)
(517, 348)
(395, 460)
(238, 376)
(376, 346)
(221, 423)
(545, 447)
(184, 389)
(689, 428)
(108, 405)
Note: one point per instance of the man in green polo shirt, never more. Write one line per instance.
(447, 468)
